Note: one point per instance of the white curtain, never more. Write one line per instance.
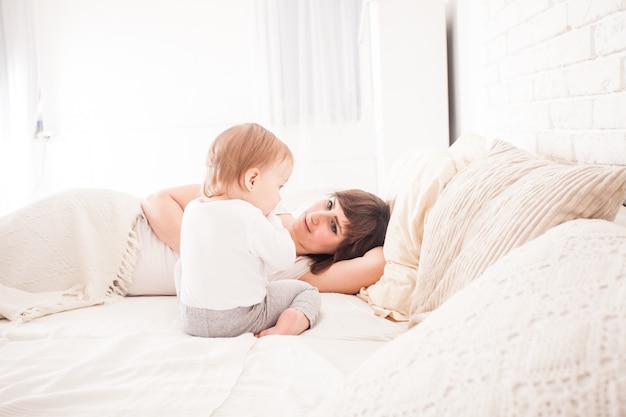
(308, 61)
(20, 86)
(20, 116)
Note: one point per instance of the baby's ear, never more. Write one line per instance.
(250, 178)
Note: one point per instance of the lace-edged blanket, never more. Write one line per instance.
(69, 250)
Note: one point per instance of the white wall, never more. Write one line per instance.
(122, 64)
(134, 91)
(407, 42)
(131, 108)
(547, 75)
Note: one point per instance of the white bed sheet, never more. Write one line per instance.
(130, 358)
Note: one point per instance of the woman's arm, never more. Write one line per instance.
(349, 276)
(164, 211)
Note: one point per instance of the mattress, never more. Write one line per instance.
(131, 358)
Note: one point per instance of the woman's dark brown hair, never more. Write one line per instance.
(368, 217)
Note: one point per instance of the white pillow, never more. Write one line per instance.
(541, 333)
(498, 202)
(414, 185)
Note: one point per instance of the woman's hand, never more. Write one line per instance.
(164, 211)
(349, 276)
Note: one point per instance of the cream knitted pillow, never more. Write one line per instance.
(497, 203)
(541, 333)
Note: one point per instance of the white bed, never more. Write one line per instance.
(131, 358)
(504, 294)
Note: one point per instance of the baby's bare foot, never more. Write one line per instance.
(290, 322)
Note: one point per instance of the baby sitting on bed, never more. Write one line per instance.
(231, 240)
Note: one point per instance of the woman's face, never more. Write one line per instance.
(320, 229)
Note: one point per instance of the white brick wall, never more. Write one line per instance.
(553, 76)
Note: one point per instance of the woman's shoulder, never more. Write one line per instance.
(282, 209)
(300, 267)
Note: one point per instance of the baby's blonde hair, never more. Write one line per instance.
(238, 149)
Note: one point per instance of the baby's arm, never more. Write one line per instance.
(273, 243)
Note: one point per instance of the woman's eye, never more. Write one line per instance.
(333, 227)
(329, 205)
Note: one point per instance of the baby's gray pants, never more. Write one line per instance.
(280, 296)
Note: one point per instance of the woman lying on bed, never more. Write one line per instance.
(338, 241)
(84, 247)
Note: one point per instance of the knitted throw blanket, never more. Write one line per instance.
(70, 250)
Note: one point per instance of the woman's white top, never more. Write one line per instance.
(228, 248)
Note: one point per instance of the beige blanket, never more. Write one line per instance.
(70, 250)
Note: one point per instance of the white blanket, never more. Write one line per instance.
(72, 249)
(132, 358)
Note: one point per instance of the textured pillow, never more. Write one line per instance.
(415, 184)
(541, 333)
(498, 202)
